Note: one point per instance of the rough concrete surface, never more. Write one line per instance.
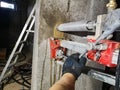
(52, 12)
(14, 86)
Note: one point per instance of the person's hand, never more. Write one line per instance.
(74, 65)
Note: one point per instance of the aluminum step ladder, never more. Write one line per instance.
(20, 42)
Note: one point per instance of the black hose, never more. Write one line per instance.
(2, 86)
(117, 83)
(26, 81)
(24, 56)
(23, 72)
(21, 83)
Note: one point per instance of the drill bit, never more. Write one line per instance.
(77, 26)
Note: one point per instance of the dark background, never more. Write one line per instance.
(12, 22)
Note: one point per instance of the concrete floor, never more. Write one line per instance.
(13, 86)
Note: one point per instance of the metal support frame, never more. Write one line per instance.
(110, 79)
(99, 24)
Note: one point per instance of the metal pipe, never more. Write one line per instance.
(107, 78)
(75, 46)
(77, 26)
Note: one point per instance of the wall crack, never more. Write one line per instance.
(68, 5)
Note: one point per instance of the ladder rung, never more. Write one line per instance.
(30, 31)
(33, 16)
(22, 42)
(17, 53)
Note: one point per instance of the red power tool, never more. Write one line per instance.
(107, 56)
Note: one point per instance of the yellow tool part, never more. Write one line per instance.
(112, 4)
(58, 34)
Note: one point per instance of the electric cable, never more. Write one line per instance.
(25, 80)
(20, 83)
(24, 73)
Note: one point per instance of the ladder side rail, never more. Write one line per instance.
(17, 43)
(25, 38)
(22, 45)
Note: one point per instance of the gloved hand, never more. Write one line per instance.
(74, 65)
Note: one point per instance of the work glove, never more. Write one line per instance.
(74, 65)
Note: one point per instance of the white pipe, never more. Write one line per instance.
(77, 26)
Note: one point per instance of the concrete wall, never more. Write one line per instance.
(53, 12)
